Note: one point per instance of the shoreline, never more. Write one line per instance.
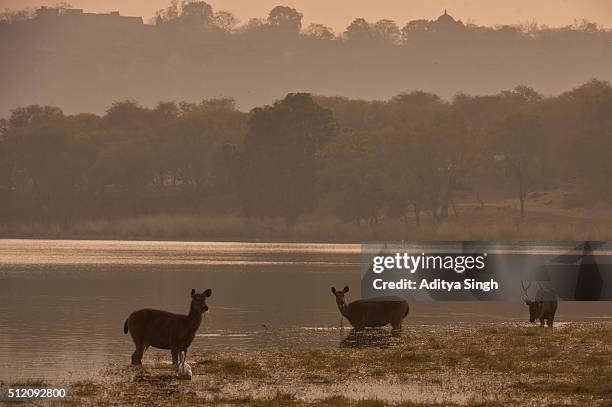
(474, 223)
(469, 366)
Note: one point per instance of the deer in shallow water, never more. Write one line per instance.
(373, 312)
(165, 330)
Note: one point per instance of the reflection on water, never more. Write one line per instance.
(122, 252)
(63, 303)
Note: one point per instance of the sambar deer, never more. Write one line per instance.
(374, 312)
(165, 330)
(543, 308)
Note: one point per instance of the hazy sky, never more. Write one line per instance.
(339, 13)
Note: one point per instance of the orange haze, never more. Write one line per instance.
(339, 13)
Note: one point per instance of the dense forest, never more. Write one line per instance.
(81, 61)
(412, 156)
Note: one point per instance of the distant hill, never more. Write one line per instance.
(83, 62)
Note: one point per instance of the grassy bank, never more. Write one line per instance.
(470, 366)
(471, 223)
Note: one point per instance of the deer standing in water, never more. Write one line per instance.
(165, 330)
(374, 312)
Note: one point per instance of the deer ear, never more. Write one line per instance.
(192, 292)
(527, 302)
(334, 290)
(207, 293)
(346, 289)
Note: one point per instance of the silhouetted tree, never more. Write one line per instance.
(225, 20)
(280, 156)
(386, 31)
(415, 30)
(352, 177)
(520, 142)
(359, 30)
(319, 32)
(198, 11)
(127, 115)
(285, 18)
(47, 162)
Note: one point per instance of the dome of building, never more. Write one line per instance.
(447, 23)
(445, 18)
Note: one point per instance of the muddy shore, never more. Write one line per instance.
(513, 364)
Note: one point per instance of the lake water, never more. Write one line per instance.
(63, 303)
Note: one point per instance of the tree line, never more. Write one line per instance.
(191, 50)
(410, 156)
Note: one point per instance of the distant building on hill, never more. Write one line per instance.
(76, 15)
(447, 23)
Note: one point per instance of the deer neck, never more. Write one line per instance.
(343, 309)
(194, 318)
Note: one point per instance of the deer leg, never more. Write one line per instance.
(541, 321)
(550, 322)
(174, 353)
(137, 355)
(396, 326)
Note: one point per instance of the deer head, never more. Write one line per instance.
(340, 298)
(198, 301)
